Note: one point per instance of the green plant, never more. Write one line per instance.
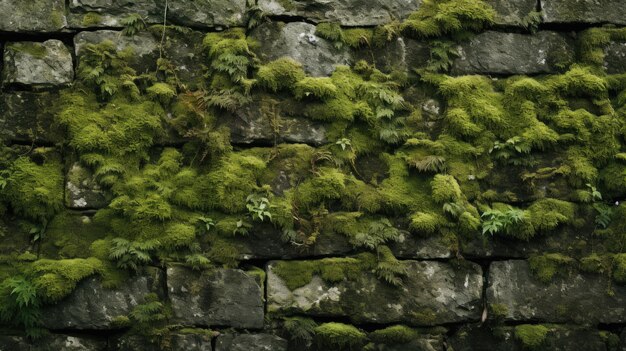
(496, 221)
(343, 142)
(133, 24)
(339, 336)
(531, 336)
(20, 305)
(378, 233)
(205, 224)
(300, 329)
(258, 207)
(132, 255)
(442, 55)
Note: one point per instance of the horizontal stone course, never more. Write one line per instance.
(584, 11)
(223, 297)
(32, 16)
(577, 298)
(46, 64)
(432, 293)
(509, 53)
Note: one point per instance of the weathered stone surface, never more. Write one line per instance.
(52, 343)
(346, 12)
(250, 342)
(186, 342)
(184, 51)
(91, 306)
(559, 338)
(424, 342)
(512, 12)
(298, 41)
(253, 124)
(32, 15)
(623, 340)
(27, 116)
(584, 11)
(615, 58)
(433, 293)
(402, 55)
(508, 53)
(413, 247)
(144, 47)
(265, 242)
(81, 189)
(579, 298)
(197, 13)
(40, 64)
(222, 297)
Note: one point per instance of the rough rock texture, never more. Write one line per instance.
(26, 116)
(298, 41)
(453, 296)
(584, 11)
(260, 124)
(223, 297)
(250, 342)
(197, 13)
(509, 53)
(81, 189)
(186, 342)
(40, 64)
(413, 247)
(32, 15)
(52, 343)
(346, 12)
(143, 46)
(577, 298)
(91, 306)
(512, 12)
(615, 58)
(558, 338)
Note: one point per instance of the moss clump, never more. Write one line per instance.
(499, 310)
(56, 279)
(436, 18)
(161, 92)
(352, 37)
(445, 189)
(531, 336)
(425, 223)
(328, 184)
(315, 87)
(297, 274)
(547, 266)
(33, 190)
(91, 19)
(619, 268)
(339, 336)
(547, 214)
(282, 74)
(36, 50)
(397, 334)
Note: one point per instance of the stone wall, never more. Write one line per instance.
(313, 175)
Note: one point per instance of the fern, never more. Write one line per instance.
(132, 255)
(389, 269)
(379, 232)
(300, 329)
(442, 55)
(20, 305)
(133, 24)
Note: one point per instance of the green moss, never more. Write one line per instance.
(397, 334)
(91, 19)
(36, 50)
(445, 189)
(339, 336)
(437, 18)
(315, 87)
(297, 274)
(531, 336)
(328, 184)
(282, 74)
(56, 279)
(547, 266)
(161, 92)
(425, 223)
(619, 268)
(548, 214)
(33, 190)
(499, 310)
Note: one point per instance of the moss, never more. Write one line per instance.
(282, 74)
(315, 87)
(445, 189)
(91, 19)
(437, 18)
(499, 310)
(56, 279)
(425, 223)
(548, 214)
(36, 50)
(619, 268)
(547, 266)
(161, 92)
(297, 274)
(33, 190)
(328, 184)
(339, 336)
(397, 334)
(531, 336)
(178, 235)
